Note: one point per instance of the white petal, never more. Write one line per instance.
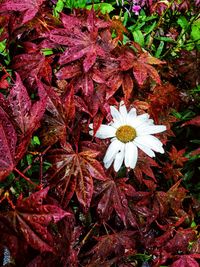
(150, 122)
(123, 111)
(114, 138)
(105, 131)
(150, 129)
(108, 163)
(112, 150)
(145, 149)
(115, 114)
(131, 115)
(91, 125)
(116, 124)
(131, 155)
(128, 152)
(119, 159)
(140, 120)
(151, 142)
(143, 117)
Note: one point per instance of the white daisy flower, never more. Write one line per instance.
(129, 132)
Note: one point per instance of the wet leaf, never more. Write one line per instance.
(113, 196)
(185, 261)
(8, 140)
(31, 218)
(30, 8)
(75, 171)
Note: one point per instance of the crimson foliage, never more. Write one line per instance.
(71, 211)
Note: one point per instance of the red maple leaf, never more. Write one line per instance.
(196, 246)
(19, 119)
(171, 172)
(142, 68)
(123, 65)
(29, 7)
(83, 40)
(114, 196)
(144, 168)
(8, 140)
(185, 261)
(180, 241)
(175, 197)
(177, 157)
(195, 121)
(54, 120)
(80, 79)
(32, 66)
(141, 64)
(115, 76)
(74, 172)
(25, 114)
(31, 217)
(163, 98)
(3, 81)
(110, 245)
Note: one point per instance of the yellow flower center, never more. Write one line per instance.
(126, 133)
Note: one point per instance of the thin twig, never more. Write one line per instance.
(25, 178)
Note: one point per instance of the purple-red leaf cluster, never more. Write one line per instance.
(59, 206)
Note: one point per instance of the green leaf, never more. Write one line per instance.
(150, 28)
(29, 159)
(126, 17)
(125, 39)
(165, 39)
(138, 37)
(136, 26)
(58, 8)
(75, 3)
(193, 224)
(159, 49)
(3, 48)
(47, 51)
(185, 115)
(195, 33)
(104, 7)
(35, 141)
(182, 21)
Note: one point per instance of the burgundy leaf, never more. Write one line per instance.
(29, 7)
(3, 82)
(53, 123)
(195, 121)
(140, 65)
(114, 196)
(127, 86)
(81, 105)
(185, 261)
(75, 170)
(8, 140)
(81, 43)
(163, 97)
(144, 167)
(181, 240)
(69, 105)
(31, 66)
(31, 218)
(112, 245)
(26, 115)
(177, 157)
(69, 71)
(140, 72)
(20, 104)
